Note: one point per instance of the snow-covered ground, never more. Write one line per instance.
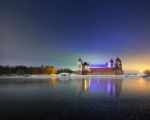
(27, 76)
(71, 76)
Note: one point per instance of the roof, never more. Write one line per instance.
(98, 66)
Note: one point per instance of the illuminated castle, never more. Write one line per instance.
(111, 68)
(82, 67)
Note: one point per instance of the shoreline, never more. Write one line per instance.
(71, 76)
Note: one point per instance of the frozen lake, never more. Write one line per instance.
(79, 98)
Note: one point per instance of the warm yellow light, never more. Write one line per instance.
(141, 71)
(85, 83)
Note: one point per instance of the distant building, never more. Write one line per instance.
(82, 67)
(111, 68)
(51, 70)
(79, 66)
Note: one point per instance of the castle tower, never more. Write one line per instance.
(118, 66)
(118, 62)
(79, 66)
(85, 68)
(111, 62)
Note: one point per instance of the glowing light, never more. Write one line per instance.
(98, 66)
(141, 71)
(85, 84)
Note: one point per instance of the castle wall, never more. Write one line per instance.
(102, 71)
(105, 71)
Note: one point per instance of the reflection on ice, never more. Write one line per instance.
(111, 87)
(60, 98)
(85, 85)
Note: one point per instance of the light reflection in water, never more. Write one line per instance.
(85, 85)
(36, 98)
(111, 87)
(51, 82)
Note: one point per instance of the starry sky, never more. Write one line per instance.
(58, 32)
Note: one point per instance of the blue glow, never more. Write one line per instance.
(111, 87)
(98, 65)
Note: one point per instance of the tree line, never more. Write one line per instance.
(19, 70)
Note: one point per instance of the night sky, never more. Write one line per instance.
(58, 32)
